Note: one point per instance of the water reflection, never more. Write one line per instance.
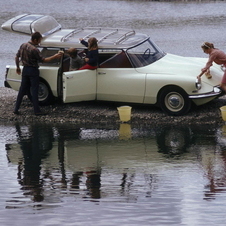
(120, 163)
(215, 167)
(125, 131)
(173, 141)
(34, 145)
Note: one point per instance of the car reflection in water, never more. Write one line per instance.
(78, 161)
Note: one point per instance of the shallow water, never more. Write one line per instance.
(83, 175)
(62, 174)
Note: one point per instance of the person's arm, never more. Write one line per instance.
(83, 42)
(208, 65)
(55, 56)
(203, 71)
(17, 61)
(42, 59)
(212, 57)
(200, 75)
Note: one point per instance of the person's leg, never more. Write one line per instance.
(34, 80)
(223, 86)
(223, 82)
(29, 92)
(25, 85)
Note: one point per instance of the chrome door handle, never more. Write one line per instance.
(69, 76)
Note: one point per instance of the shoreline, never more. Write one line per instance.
(104, 113)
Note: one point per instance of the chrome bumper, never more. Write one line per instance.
(215, 93)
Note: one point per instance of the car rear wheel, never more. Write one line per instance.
(45, 95)
(174, 101)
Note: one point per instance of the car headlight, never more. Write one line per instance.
(223, 68)
(198, 84)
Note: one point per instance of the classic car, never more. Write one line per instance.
(132, 68)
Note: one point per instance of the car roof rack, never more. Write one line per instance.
(126, 35)
(54, 35)
(103, 34)
(69, 35)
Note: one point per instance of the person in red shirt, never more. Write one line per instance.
(217, 56)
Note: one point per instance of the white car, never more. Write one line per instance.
(132, 68)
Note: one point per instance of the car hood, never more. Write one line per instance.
(179, 66)
(183, 68)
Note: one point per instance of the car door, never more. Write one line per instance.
(120, 84)
(79, 85)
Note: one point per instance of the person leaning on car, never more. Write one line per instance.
(217, 56)
(92, 56)
(30, 56)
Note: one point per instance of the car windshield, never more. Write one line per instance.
(145, 54)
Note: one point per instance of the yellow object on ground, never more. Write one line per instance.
(124, 113)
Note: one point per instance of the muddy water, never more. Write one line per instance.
(69, 175)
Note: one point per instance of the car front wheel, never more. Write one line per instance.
(174, 101)
(174, 140)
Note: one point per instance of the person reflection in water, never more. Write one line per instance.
(75, 181)
(93, 184)
(29, 172)
(216, 181)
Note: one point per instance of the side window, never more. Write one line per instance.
(119, 60)
(47, 52)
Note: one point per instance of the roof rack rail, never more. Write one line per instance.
(98, 29)
(66, 37)
(107, 35)
(126, 35)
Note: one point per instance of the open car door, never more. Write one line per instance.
(79, 85)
